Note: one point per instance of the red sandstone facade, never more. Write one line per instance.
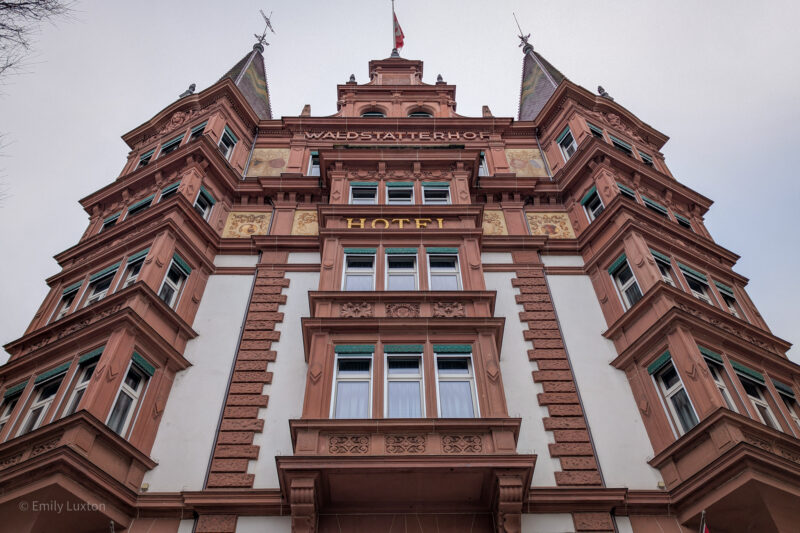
(397, 173)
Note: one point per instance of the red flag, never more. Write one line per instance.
(398, 33)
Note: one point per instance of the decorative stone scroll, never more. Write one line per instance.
(348, 444)
(402, 310)
(355, 310)
(243, 225)
(405, 444)
(462, 444)
(448, 310)
(554, 225)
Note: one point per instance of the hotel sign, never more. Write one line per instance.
(396, 135)
(391, 223)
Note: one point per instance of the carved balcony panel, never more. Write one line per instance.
(402, 304)
(744, 474)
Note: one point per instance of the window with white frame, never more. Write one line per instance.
(596, 131)
(730, 299)
(133, 267)
(170, 146)
(684, 222)
(169, 191)
(122, 415)
(625, 281)
(373, 114)
(10, 401)
(646, 159)
(352, 382)
(443, 271)
(399, 193)
(145, 158)
(84, 376)
(664, 266)
(455, 382)
(313, 163)
(363, 193)
(753, 385)
(139, 207)
(626, 191)
(622, 146)
(787, 395)
(655, 206)
(359, 269)
(197, 131)
(404, 394)
(109, 222)
(483, 167)
(99, 284)
(717, 370)
(204, 203)
(174, 280)
(65, 304)
(227, 142)
(47, 385)
(592, 203)
(697, 282)
(435, 193)
(566, 142)
(401, 269)
(669, 383)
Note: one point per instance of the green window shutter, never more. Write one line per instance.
(436, 184)
(724, 289)
(401, 250)
(143, 365)
(355, 348)
(683, 219)
(748, 372)
(141, 203)
(115, 216)
(693, 273)
(199, 127)
(646, 157)
(72, 288)
(441, 250)
(660, 256)
(91, 356)
(138, 255)
(230, 132)
(52, 373)
(783, 389)
(182, 264)
(626, 189)
(363, 184)
(594, 128)
(399, 183)
(588, 195)
(659, 363)
(655, 205)
(452, 348)
(361, 251)
(563, 134)
(402, 348)
(171, 187)
(617, 264)
(711, 354)
(621, 143)
(11, 391)
(169, 143)
(207, 195)
(314, 153)
(147, 154)
(103, 273)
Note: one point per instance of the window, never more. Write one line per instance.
(173, 282)
(455, 383)
(625, 281)
(757, 394)
(698, 283)
(352, 382)
(404, 392)
(592, 203)
(363, 193)
(664, 267)
(435, 192)
(646, 159)
(483, 168)
(170, 146)
(145, 158)
(204, 203)
(85, 372)
(109, 222)
(169, 191)
(443, 269)
(655, 206)
(359, 270)
(730, 299)
(373, 114)
(420, 114)
(401, 270)
(134, 265)
(67, 297)
(622, 146)
(597, 132)
(227, 142)
(784, 391)
(10, 400)
(626, 191)
(566, 143)
(313, 163)
(399, 193)
(130, 392)
(197, 132)
(139, 206)
(682, 221)
(47, 385)
(99, 283)
(717, 370)
(671, 387)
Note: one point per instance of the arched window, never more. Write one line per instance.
(420, 113)
(373, 113)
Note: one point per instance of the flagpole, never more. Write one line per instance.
(393, 38)
(703, 521)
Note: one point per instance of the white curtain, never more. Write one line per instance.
(404, 399)
(352, 399)
(455, 399)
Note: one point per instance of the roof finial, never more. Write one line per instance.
(522, 37)
(261, 40)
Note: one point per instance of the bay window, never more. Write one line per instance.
(455, 381)
(443, 270)
(664, 265)
(10, 401)
(110, 222)
(730, 299)
(352, 382)
(168, 191)
(227, 142)
(566, 143)
(625, 281)
(787, 396)
(170, 146)
(139, 207)
(133, 267)
(99, 284)
(44, 392)
(697, 282)
(753, 385)
(204, 203)
(173, 282)
(126, 406)
(717, 370)
(359, 269)
(404, 395)
(592, 203)
(401, 269)
(673, 392)
(65, 304)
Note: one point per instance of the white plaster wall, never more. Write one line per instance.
(186, 526)
(264, 524)
(289, 381)
(518, 382)
(303, 257)
(547, 523)
(562, 260)
(495, 258)
(186, 434)
(621, 441)
(236, 260)
(624, 524)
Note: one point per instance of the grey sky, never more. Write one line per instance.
(719, 77)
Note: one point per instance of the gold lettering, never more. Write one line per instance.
(420, 222)
(385, 222)
(359, 224)
(441, 222)
(400, 221)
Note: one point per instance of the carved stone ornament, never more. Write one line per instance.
(5, 462)
(402, 310)
(355, 310)
(462, 444)
(448, 309)
(730, 329)
(758, 442)
(405, 444)
(348, 444)
(45, 446)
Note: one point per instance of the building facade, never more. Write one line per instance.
(397, 318)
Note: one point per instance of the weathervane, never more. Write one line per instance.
(522, 37)
(262, 39)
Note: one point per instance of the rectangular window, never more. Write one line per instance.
(197, 132)
(227, 142)
(67, 297)
(352, 385)
(730, 299)
(757, 393)
(697, 282)
(622, 146)
(133, 267)
(625, 281)
(10, 401)
(597, 132)
(399, 193)
(566, 142)
(646, 159)
(401, 270)
(363, 193)
(483, 168)
(174, 280)
(99, 283)
(664, 266)
(169, 191)
(204, 203)
(109, 222)
(47, 385)
(787, 396)
(85, 373)
(455, 382)
(655, 206)
(139, 206)
(404, 394)
(592, 203)
(130, 392)
(145, 158)
(678, 404)
(684, 222)
(170, 146)
(359, 270)
(313, 163)
(717, 370)
(443, 271)
(435, 193)
(626, 191)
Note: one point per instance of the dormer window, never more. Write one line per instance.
(420, 114)
(169, 146)
(373, 114)
(227, 142)
(566, 142)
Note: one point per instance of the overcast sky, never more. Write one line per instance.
(719, 77)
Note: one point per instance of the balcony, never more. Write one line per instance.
(402, 304)
(743, 473)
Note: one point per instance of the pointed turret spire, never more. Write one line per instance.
(539, 80)
(250, 76)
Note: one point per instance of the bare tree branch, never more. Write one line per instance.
(19, 21)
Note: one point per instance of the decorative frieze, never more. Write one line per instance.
(462, 444)
(404, 444)
(348, 444)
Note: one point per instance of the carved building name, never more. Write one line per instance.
(397, 135)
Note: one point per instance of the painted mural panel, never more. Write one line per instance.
(494, 223)
(526, 162)
(268, 162)
(554, 225)
(305, 223)
(243, 225)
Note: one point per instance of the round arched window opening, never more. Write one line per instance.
(420, 114)
(373, 114)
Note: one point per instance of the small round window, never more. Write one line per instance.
(420, 114)
(373, 114)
